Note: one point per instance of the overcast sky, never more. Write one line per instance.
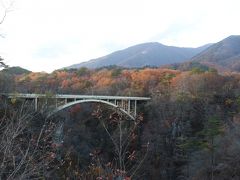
(43, 35)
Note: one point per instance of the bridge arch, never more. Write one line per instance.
(89, 101)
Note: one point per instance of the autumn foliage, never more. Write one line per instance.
(190, 127)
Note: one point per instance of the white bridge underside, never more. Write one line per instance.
(127, 105)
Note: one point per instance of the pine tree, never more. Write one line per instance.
(212, 129)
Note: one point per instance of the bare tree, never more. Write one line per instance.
(26, 150)
(128, 159)
(6, 7)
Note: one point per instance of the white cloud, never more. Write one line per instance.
(45, 35)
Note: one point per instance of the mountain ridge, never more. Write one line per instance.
(224, 54)
(145, 54)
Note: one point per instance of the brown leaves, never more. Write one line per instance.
(132, 155)
(128, 81)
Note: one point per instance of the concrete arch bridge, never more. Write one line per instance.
(126, 104)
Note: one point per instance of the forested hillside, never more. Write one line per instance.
(223, 55)
(189, 129)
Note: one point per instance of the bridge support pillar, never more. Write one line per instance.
(129, 106)
(36, 104)
(135, 108)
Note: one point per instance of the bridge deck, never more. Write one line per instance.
(71, 96)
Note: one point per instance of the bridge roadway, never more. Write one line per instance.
(126, 104)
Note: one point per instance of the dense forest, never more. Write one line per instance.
(189, 130)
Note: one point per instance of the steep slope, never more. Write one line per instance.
(147, 54)
(224, 54)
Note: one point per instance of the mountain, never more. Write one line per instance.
(147, 54)
(224, 55)
(16, 70)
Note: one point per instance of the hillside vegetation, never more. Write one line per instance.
(223, 55)
(189, 129)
